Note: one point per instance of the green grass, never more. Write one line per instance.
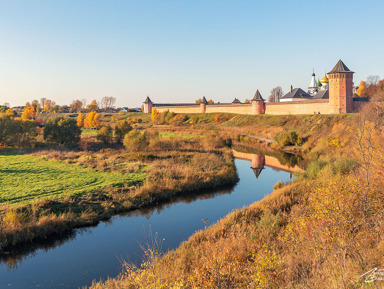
(86, 131)
(24, 178)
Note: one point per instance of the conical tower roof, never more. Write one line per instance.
(257, 96)
(204, 100)
(148, 100)
(340, 67)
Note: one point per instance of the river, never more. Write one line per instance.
(95, 253)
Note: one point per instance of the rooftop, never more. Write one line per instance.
(340, 67)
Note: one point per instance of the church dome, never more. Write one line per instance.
(324, 79)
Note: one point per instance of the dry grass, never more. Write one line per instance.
(169, 172)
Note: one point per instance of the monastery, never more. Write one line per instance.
(330, 95)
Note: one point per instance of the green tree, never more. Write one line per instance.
(105, 134)
(122, 127)
(16, 133)
(62, 130)
(135, 141)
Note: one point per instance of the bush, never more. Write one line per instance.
(194, 119)
(121, 129)
(135, 141)
(214, 141)
(178, 119)
(105, 134)
(288, 138)
(62, 130)
(16, 133)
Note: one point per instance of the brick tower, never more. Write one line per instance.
(258, 105)
(340, 89)
(148, 105)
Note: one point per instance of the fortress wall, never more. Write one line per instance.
(179, 109)
(298, 107)
(231, 108)
(274, 108)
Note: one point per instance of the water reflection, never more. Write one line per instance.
(277, 160)
(13, 259)
(95, 252)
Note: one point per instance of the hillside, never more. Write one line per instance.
(322, 231)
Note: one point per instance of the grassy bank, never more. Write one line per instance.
(26, 178)
(322, 231)
(68, 189)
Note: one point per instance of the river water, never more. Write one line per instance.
(96, 253)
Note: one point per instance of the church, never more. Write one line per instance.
(317, 90)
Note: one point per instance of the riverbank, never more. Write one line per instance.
(323, 230)
(144, 178)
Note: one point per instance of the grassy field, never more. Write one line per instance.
(88, 131)
(24, 178)
(175, 134)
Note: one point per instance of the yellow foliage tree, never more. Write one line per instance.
(10, 111)
(92, 120)
(362, 91)
(80, 120)
(154, 114)
(29, 113)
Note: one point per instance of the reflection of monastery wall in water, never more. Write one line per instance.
(259, 161)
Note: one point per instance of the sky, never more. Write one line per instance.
(179, 51)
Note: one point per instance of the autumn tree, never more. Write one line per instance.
(247, 101)
(36, 105)
(76, 106)
(362, 90)
(80, 120)
(28, 113)
(276, 94)
(93, 106)
(48, 105)
(10, 111)
(154, 114)
(92, 120)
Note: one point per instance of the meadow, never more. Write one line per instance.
(53, 190)
(26, 178)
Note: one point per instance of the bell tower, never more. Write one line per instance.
(340, 89)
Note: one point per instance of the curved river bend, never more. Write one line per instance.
(96, 252)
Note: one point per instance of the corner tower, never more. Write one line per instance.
(258, 104)
(148, 104)
(340, 89)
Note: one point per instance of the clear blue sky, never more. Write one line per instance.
(179, 51)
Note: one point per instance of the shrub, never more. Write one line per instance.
(135, 141)
(278, 185)
(62, 131)
(214, 141)
(122, 127)
(105, 134)
(287, 138)
(178, 119)
(15, 133)
(194, 119)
